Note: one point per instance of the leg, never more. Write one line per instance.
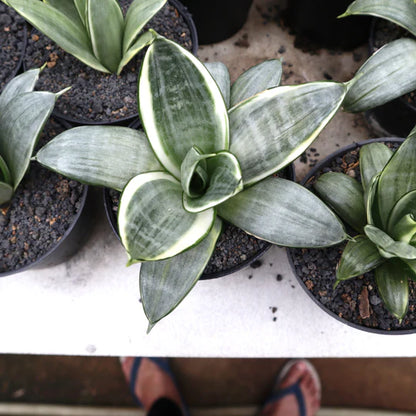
(297, 392)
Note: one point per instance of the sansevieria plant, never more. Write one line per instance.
(23, 113)
(208, 154)
(94, 31)
(382, 210)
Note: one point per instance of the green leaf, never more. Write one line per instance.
(256, 79)
(82, 8)
(405, 229)
(392, 283)
(99, 155)
(180, 105)
(165, 283)
(387, 246)
(225, 181)
(401, 12)
(20, 126)
(404, 207)
(371, 204)
(69, 35)
(276, 126)
(359, 256)
(397, 178)
(284, 213)
(144, 40)
(106, 28)
(18, 85)
(152, 222)
(221, 76)
(5, 172)
(345, 195)
(6, 193)
(373, 159)
(383, 77)
(68, 8)
(138, 14)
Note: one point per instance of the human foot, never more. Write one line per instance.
(297, 391)
(150, 379)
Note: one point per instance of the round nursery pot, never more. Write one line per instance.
(96, 97)
(315, 24)
(47, 220)
(217, 20)
(13, 38)
(235, 249)
(356, 301)
(397, 117)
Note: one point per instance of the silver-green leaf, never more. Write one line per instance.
(404, 207)
(221, 76)
(152, 222)
(165, 283)
(100, 155)
(284, 213)
(276, 126)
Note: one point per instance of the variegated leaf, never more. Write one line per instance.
(383, 77)
(68, 34)
(371, 203)
(82, 9)
(405, 229)
(225, 181)
(138, 14)
(180, 105)
(359, 256)
(388, 247)
(99, 155)
(345, 195)
(276, 126)
(165, 283)
(373, 159)
(256, 79)
(221, 76)
(392, 284)
(404, 207)
(152, 222)
(397, 178)
(68, 8)
(20, 126)
(401, 12)
(18, 85)
(106, 28)
(284, 213)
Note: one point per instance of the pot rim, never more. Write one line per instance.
(183, 11)
(304, 181)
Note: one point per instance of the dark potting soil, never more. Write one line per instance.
(356, 300)
(96, 96)
(12, 41)
(41, 211)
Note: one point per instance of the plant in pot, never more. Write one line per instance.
(98, 43)
(399, 116)
(372, 189)
(23, 114)
(201, 163)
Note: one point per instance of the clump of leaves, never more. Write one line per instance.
(382, 209)
(23, 113)
(207, 156)
(94, 31)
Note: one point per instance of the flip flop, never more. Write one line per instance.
(163, 364)
(279, 393)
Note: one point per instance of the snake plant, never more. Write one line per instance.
(382, 210)
(94, 31)
(207, 155)
(23, 113)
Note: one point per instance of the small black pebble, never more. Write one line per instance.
(274, 319)
(279, 277)
(256, 264)
(250, 276)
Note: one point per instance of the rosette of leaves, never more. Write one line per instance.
(94, 31)
(208, 155)
(382, 209)
(23, 113)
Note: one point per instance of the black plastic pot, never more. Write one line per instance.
(290, 252)
(112, 218)
(72, 240)
(315, 23)
(125, 121)
(217, 20)
(397, 117)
